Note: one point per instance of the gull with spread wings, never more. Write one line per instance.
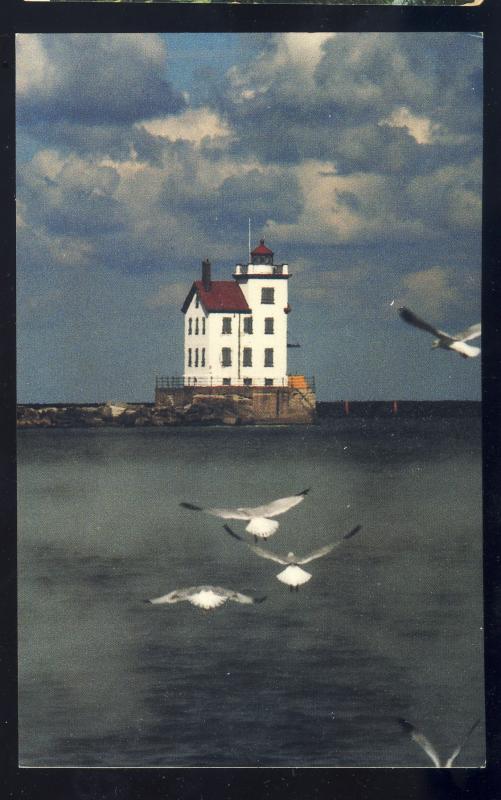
(428, 748)
(260, 523)
(206, 597)
(447, 341)
(293, 576)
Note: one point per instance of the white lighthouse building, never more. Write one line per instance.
(235, 331)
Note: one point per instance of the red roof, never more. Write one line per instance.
(262, 250)
(223, 296)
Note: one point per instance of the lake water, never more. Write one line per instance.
(389, 626)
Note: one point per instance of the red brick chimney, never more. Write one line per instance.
(206, 275)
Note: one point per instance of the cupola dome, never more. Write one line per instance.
(262, 254)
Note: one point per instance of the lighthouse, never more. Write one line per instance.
(235, 349)
(235, 331)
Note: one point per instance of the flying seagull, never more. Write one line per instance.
(260, 524)
(428, 748)
(293, 575)
(447, 341)
(205, 597)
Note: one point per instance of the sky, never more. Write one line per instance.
(357, 156)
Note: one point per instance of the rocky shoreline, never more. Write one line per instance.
(202, 409)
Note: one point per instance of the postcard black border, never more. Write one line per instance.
(233, 784)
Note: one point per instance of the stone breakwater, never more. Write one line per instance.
(227, 409)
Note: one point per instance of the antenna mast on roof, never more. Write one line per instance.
(250, 258)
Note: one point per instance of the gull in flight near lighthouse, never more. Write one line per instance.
(206, 597)
(260, 525)
(447, 341)
(293, 576)
(428, 748)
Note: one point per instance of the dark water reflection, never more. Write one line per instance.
(389, 625)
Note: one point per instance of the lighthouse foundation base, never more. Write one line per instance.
(239, 405)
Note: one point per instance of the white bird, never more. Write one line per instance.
(260, 525)
(205, 597)
(293, 575)
(428, 748)
(447, 341)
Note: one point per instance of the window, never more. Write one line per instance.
(226, 381)
(247, 357)
(197, 301)
(269, 325)
(247, 381)
(196, 356)
(190, 326)
(226, 357)
(268, 381)
(261, 260)
(267, 295)
(203, 325)
(226, 324)
(268, 357)
(247, 324)
(189, 356)
(203, 356)
(196, 326)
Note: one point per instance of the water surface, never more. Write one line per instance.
(390, 624)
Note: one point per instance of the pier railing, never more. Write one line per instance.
(299, 382)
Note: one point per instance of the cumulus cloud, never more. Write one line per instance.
(93, 78)
(71, 196)
(357, 156)
(193, 124)
(449, 198)
(170, 295)
(358, 208)
(347, 87)
(432, 291)
(268, 196)
(38, 247)
(420, 128)
(306, 137)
